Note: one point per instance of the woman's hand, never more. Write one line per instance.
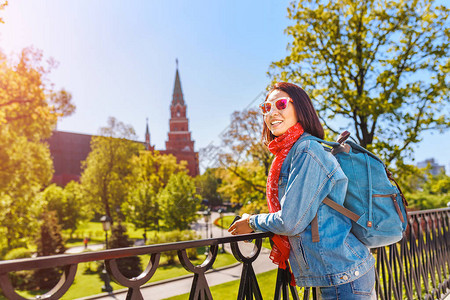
(241, 226)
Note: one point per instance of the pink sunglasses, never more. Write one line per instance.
(280, 104)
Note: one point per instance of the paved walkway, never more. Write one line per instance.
(170, 288)
(92, 247)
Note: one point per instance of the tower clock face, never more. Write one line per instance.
(178, 113)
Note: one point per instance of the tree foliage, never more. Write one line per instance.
(245, 161)
(129, 266)
(29, 109)
(49, 242)
(173, 236)
(150, 174)
(207, 185)
(179, 202)
(434, 192)
(240, 191)
(106, 170)
(381, 66)
(68, 204)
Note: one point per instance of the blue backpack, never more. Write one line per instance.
(376, 207)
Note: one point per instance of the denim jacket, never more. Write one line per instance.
(309, 174)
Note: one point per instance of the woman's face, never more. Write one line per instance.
(279, 121)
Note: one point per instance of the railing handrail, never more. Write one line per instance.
(68, 259)
(427, 211)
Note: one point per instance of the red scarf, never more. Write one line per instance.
(280, 147)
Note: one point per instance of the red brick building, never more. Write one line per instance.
(69, 149)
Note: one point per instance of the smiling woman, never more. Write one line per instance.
(302, 175)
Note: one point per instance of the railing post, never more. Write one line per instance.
(248, 286)
(283, 286)
(200, 288)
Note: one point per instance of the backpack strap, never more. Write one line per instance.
(315, 229)
(337, 207)
(337, 147)
(341, 209)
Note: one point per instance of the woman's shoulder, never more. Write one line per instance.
(320, 153)
(306, 144)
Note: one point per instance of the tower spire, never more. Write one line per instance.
(177, 97)
(147, 136)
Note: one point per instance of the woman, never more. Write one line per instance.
(301, 176)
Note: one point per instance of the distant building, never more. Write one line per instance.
(69, 149)
(435, 169)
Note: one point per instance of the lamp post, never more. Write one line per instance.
(207, 214)
(220, 211)
(106, 223)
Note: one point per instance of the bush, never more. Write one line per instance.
(18, 253)
(175, 236)
(49, 242)
(129, 266)
(254, 207)
(21, 279)
(422, 200)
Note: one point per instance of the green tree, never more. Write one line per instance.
(129, 266)
(242, 147)
(437, 184)
(49, 242)
(76, 207)
(424, 190)
(380, 66)
(67, 203)
(106, 170)
(142, 207)
(29, 109)
(179, 202)
(207, 185)
(150, 173)
(240, 191)
(155, 168)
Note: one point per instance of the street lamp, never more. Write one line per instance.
(207, 214)
(106, 223)
(220, 211)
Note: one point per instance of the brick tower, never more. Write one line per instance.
(179, 138)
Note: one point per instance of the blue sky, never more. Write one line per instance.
(117, 58)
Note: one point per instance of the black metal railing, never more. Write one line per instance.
(418, 267)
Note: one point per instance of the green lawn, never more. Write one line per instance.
(229, 290)
(226, 221)
(94, 231)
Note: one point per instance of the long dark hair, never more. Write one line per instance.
(304, 108)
